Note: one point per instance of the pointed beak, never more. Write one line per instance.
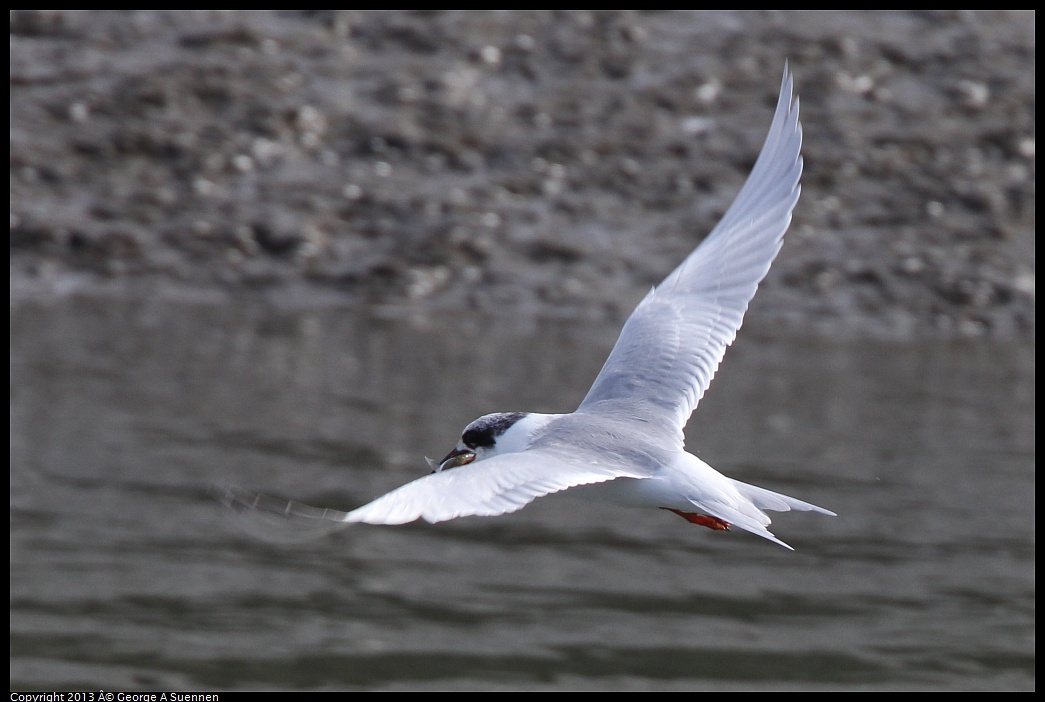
(459, 456)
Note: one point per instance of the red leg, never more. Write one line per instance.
(705, 520)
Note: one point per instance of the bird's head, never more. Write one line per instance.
(493, 434)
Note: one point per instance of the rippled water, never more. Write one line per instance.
(126, 575)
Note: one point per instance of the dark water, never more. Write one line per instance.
(126, 575)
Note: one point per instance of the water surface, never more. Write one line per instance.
(126, 575)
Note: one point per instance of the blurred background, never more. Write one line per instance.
(297, 251)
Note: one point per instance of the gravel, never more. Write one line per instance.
(550, 163)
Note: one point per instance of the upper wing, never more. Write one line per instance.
(675, 339)
(496, 485)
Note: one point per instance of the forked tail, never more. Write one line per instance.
(751, 516)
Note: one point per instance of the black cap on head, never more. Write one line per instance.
(484, 431)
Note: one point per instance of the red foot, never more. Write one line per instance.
(701, 519)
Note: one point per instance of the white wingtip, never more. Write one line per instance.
(276, 519)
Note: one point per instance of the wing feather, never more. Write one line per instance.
(674, 341)
(497, 485)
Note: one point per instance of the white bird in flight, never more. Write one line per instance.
(625, 440)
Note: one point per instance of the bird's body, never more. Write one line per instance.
(624, 443)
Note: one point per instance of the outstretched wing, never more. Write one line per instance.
(493, 486)
(675, 339)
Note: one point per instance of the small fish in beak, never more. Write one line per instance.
(457, 457)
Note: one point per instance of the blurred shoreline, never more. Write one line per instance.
(542, 163)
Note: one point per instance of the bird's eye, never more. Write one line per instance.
(473, 438)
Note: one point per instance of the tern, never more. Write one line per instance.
(624, 444)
